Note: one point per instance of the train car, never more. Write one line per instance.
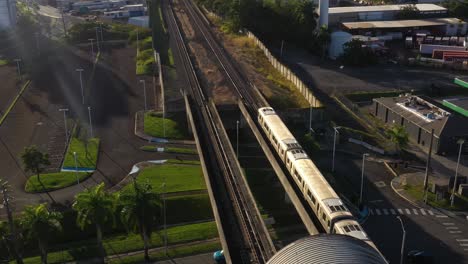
(329, 209)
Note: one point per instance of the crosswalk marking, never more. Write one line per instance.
(423, 212)
(448, 224)
(371, 212)
(441, 216)
(408, 211)
(451, 227)
(430, 212)
(392, 211)
(415, 211)
(378, 211)
(400, 211)
(464, 245)
(385, 211)
(462, 240)
(455, 232)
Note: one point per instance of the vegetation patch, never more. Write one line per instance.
(86, 153)
(81, 32)
(176, 178)
(168, 127)
(188, 208)
(122, 243)
(170, 150)
(145, 62)
(3, 62)
(417, 192)
(54, 181)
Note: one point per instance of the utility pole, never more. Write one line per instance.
(81, 85)
(92, 46)
(144, 93)
(452, 197)
(402, 252)
(90, 121)
(364, 156)
(237, 139)
(310, 120)
(281, 52)
(63, 21)
(164, 211)
(14, 235)
(18, 67)
(334, 146)
(97, 40)
(428, 163)
(76, 168)
(65, 110)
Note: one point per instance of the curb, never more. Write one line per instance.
(404, 197)
(13, 103)
(390, 169)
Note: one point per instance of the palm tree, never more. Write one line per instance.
(398, 136)
(40, 223)
(35, 161)
(140, 210)
(95, 206)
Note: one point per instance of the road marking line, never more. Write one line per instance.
(449, 224)
(423, 212)
(455, 232)
(462, 240)
(441, 216)
(392, 211)
(400, 211)
(451, 227)
(385, 211)
(464, 245)
(408, 211)
(378, 211)
(430, 212)
(371, 212)
(415, 212)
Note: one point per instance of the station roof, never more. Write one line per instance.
(403, 23)
(382, 8)
(462, 81)
(328, 249)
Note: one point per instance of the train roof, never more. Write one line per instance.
(352, 228)
(279, 130)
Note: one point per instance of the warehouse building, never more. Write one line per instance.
(339, 15)
(420, 117)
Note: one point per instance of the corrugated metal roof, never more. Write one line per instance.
(382, 8)
(404, 23)
(327, 249)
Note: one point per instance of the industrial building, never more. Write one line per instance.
(337, 15)
(328, 249)
(7, 14)
(419, 117)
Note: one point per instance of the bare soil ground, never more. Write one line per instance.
(212, 79)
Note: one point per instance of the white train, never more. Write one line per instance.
(326, 204)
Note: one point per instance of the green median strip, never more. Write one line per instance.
(54, 181)
(86, 154)
(14, 102)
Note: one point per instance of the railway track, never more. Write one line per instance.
(250, 241)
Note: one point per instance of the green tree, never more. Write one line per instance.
(39, 224)
(95, 207)
(140, 211)
(357, 54)
(4, 241)
(457, 8)
(322, 38)
(35, 161)
(408, 12)
(398, 136)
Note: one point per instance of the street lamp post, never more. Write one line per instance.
(65, 110)
(237, 138)
(90, 121)
(100, 28)
(164, 217)
(92, 46)
(81, 85)
(144, 93)
(97, 40)
(334, 146)
(452, 197)
(402, 253)
(18, 67)
(76, 168)
(362, 176)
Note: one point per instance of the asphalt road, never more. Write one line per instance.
(443, 235)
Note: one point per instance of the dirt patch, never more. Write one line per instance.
(216, 85)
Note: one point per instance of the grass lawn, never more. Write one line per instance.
(188, 208)
(3, 62)
(154, 126)
(173, 253)
(170, 150)
(85, 158)
(145, 62)
(177, 178)
(187, 162)
(124, 242)
(418, 193)
(53, 181)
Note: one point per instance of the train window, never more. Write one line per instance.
(324, 217)
(336, 208)
(328, 223)
(311, 196)
(346, 228)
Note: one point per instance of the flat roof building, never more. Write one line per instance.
(420, 116)
(378, 13)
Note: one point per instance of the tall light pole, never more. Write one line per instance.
(100, 28)
(65, 110)
(402, 253)
(90, 121)
(164, 217)
(81, 85)
(97, 40)
(18, 67)
(334, 146)
(76, 168)
(144, 93)
(364, 156)
(92, 46)
(237, 139)
(310, 119)
(452, 197)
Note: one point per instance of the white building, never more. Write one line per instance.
(7, 14)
